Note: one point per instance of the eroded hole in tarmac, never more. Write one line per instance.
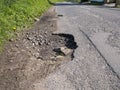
(70, 45)
(53, 51)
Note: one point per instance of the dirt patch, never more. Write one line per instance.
(31, 56)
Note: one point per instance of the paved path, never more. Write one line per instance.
(96, 63)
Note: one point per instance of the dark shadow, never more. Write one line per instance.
(92, 3)
(73, 3)
(60, 4)
(70, 41)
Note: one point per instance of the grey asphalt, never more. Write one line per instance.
(96, 63)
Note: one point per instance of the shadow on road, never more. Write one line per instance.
(60, 4)
(71, 3)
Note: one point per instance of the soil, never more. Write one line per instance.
(31, 56)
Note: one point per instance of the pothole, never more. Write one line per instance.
(69, 46)
(48, 46)
(56, 50)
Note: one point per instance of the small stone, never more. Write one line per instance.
(46, 40)
(55, 33)
(32, 58)
(53, 58)
(59, 57)
(27, 35)
(27, 47)
(11, 40)
(33, 44)
(42, 42)
(29, 38)
(37, 39)
(11, 69)
(11, 61)
(40, 36)
(38, 50)
(36, 43)
(36, 55)
(63, 50)
(39, 43)
(46, 32)
(39, 58)
(49, 43)
(14, 49)
(36, 19)
(23, 50)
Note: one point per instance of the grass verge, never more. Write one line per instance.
(18, 14)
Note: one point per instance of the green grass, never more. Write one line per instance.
(18, 14)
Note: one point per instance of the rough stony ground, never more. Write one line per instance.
(31, 56)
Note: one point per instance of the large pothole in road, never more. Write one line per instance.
(51, 47)
(51, 50)
(48, 54)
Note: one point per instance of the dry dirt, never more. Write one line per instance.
(31, 56)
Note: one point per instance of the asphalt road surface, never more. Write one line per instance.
(96, 63)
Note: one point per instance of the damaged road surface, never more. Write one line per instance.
(96, 62)
(71, 47)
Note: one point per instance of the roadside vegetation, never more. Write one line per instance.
(118, 3)
(18, 14)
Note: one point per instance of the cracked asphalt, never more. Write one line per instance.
(96, 63)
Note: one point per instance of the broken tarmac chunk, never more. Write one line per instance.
(62, 50)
